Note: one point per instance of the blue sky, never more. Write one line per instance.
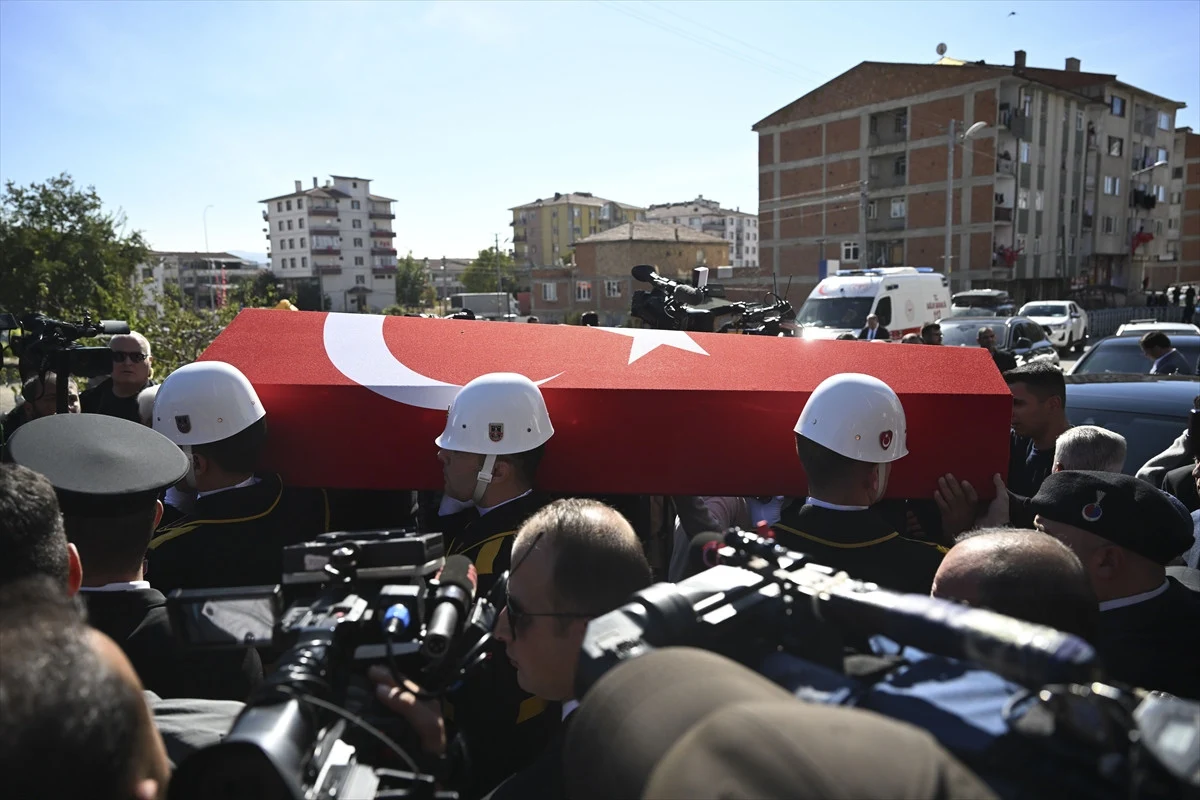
(461, 110)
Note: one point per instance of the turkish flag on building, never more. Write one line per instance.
(355, 401)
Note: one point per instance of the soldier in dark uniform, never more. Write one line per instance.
(1125, 532)
(1039, 417)
(107, 474)
(236, 529)
(851, 429)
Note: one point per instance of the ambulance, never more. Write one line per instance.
(904, 299)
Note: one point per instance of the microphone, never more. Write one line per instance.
(682, 292)
(703, 553)
(456, 584)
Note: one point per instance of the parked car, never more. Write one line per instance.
(1024, 337)
(1123, 355)
(982, 303)
(1150, 411)
(1140, 327)
(1065, 323)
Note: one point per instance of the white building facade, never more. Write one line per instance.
(707, 216)
(203, 280)
(338, 234)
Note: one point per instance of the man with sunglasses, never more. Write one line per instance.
(573, 560)
(131, 372)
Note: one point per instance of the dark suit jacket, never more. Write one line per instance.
(1173, 363)
(137, 620)
(1152, 644)
(1180, 484)
(880, 333)
(543, 778)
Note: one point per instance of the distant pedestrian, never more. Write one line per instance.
(1175, 295)
(1189, 304)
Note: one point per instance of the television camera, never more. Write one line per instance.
(50, 345)
(1026, 706)
(702, 307)
(347, 601)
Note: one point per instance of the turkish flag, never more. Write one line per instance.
(355, 401)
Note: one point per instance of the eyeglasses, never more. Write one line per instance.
(119, 356)
(517, 616)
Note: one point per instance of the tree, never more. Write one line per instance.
(480, 274)
(411, 283)
(61, 253)
(308, 297)
(262, 292)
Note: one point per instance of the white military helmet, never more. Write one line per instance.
(856, 416)
(501, 413)
(205, 402)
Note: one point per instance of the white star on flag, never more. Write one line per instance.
(647, 339)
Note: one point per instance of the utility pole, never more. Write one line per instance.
(862, 225)
(499, 281)
(947, 257)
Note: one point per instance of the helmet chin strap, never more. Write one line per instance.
(484, 478)
(190, 477)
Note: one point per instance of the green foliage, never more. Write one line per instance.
(308, 297)
(394, 311)
(265, 291)
(480, 275)
(411, 283)
(61, 253)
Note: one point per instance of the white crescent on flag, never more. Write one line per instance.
(356, 347)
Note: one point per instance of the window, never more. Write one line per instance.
(1112, 186)
(356, 223)
(360, 280)
(300, 207)
(1158, 227)
(300, 223)
(1117, 106)
(280, 224)
(302, 242)
(293, 263)
(358, 241)
(1024, 152)
(1177, 173)
(288, 204)
(849, 251)
(873, 169)
(1164, 121)
(898, 208)
(1176, 198)
(358, 261)
(355, 205)
(901, 123)
(883, 310)
(1071, 246)
(279, 206)
(901, 166)
(1160, 192)
(873, 125)
(1078, 120)
(872, 210)
(1027, 104)
(612, 288)
(1038, 200)
(289, 223)
(550, 292)
(1161, 154)
(291, 244)
(1108, 225)
(583, 290)
(304, 262)
(1037, 245)
(1023, 198)
(1172, 223)
(1115, 146)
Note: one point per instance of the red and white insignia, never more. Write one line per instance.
(496, 431)
(885, 439)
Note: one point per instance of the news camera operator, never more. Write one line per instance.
(241, 519)
(573, 560)
(38, 395)
(132, 371)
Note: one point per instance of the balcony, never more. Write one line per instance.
(519, 238)
(329, 269)
(1006, 166)
(324, 230)
(1018, 123)
(379, 270)
(886, 222)
(381, 215)
(1003, 214)
(1087, 221)
(327, 251)
(382, 251)
(322, 211)
(382, 233)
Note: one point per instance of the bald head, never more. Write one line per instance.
(598, 559)
(1022, 574)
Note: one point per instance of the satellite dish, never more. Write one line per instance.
(941, 49)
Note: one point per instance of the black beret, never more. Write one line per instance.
(1122, 509)
(100, 466)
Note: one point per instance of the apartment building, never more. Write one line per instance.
(739, 228)
(1180, 261)
(203, 280)
(338, 234)
(856, 171)
(546, 230)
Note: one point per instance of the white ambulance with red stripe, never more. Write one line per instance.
(904, 299)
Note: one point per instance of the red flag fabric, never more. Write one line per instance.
(356, 400)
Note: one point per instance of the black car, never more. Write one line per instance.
(982, 303)
(1150, 411)
(1020, 335)
(1123, 354)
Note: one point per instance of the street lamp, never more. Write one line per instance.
(503, 313)
(953, 137)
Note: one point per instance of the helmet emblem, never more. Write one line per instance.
(885, 439)
(184, 423)
(1092, 512)
(496, 431)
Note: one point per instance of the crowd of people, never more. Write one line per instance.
(156, 487)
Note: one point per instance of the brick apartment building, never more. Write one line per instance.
(600, 280)
(856, 171)
(1182, 261)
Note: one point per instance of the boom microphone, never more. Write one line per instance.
(456, 585)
